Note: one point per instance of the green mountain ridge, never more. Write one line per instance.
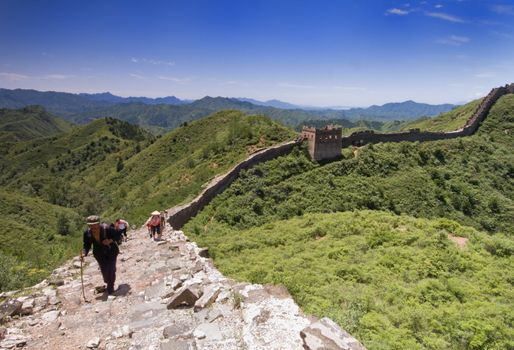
(161, 115)
(29, 123)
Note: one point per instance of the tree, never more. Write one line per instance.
(63, 224)
(119, 165)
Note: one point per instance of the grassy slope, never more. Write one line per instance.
(395, 282)
(176, 167)
(449, 121)
(29, 123)
(30, 244)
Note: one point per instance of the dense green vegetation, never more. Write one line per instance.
(393, 290)
(29, 123)
(35, 237)
(112, 168)
(449, 121)
(394, 282)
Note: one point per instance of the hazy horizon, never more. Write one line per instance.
(307, 53)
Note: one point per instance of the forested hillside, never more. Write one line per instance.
(393, 277)
(112, 168)
(29, 123)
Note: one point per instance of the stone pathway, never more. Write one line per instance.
(170, 296)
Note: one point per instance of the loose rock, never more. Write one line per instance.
(326, 335)
(93, 343)
(184, 296)
(10, 308)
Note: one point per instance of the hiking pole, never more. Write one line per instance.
(82, 279)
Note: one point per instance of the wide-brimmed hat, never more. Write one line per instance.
(93, 219)
(155, 212)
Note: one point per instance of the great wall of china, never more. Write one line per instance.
(365, 137)
(179, 215)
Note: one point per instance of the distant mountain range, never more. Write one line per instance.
(166, 113)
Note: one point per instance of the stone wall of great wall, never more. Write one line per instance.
(179, 215)
(363, 137)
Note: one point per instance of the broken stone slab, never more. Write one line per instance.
(210, 331)
(40, 303)
(184, 296)
(10, 308)
(325, 334)
(53, 300)
(50, 316)
(27, 307)
(176, 329)
(175, 344)
(174, 266)
(209, 296)
(124, 331)
(174, 283)
(13, 341)
(49, 292)
(184, 277)
(93, 343)
(56, 281)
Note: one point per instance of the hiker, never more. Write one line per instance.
(122, 226)
(163, 222)
(103, 238)
(154, 225)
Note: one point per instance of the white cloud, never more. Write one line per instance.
(503, 9)
(13, 76)
(57, 76)
(438, 6)
(137, 76)
(454, 40)
(397, 11)
(445, 16)
(151, 61)
(174, 79)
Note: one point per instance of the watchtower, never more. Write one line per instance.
(324, 143)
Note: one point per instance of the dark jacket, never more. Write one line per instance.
(101, 251)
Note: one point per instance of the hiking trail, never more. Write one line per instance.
(169, 296)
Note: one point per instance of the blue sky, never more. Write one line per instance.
(324, 53)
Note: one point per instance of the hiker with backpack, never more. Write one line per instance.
(103, 238)
(154, 225)
(122, 226)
